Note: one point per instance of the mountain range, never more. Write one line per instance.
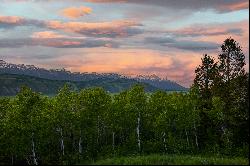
(48, 81)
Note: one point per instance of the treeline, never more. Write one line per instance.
(72, 127)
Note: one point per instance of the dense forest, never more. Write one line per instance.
(76, 126)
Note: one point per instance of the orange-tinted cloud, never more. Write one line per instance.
(74, 12)
(9, 21)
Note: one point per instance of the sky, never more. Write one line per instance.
(130, 37)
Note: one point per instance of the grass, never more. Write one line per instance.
(172, 160)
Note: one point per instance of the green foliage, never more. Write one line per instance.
(205, 76)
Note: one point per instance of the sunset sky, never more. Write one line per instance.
(132, 37)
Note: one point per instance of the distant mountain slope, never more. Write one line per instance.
(163, 84)
(53, 74)
(110, 81)
(10, 84)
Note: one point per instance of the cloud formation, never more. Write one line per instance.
(189, 45)
(74, 12)
(11, 20)
(46, 35)
(14, 21)
(113, 29)
(56, 43)
(207, 30)
(218, 5)
(205, 37)
(150, 62)
(244, 4)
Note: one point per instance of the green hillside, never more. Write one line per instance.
(11, 83)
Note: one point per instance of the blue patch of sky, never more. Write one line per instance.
(31, 10)
(19, 32)
(51, 11)
(105, 12)
(206, 17)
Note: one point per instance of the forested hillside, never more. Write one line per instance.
(10, 84)
(82, 126)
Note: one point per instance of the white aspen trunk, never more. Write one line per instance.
(80, 143)
(224, 133)
(62, 142)
(113, 144)
(187, 136)
(33, 151)
(196, 138)
(223, 130)
(28, 161)
(12, 160)
(164, 141)
(138, 132)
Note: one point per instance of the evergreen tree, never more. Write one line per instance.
(206, 74)
(232, 88)
(231, 60)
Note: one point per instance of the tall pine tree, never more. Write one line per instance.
(205, 76)
(231, 60)
(233, 89)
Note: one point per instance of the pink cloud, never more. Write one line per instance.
(133, 62)
(234, 6)
(59, 43)
(207, 30)
(120, 28)
(242, 37)
(46, 35)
